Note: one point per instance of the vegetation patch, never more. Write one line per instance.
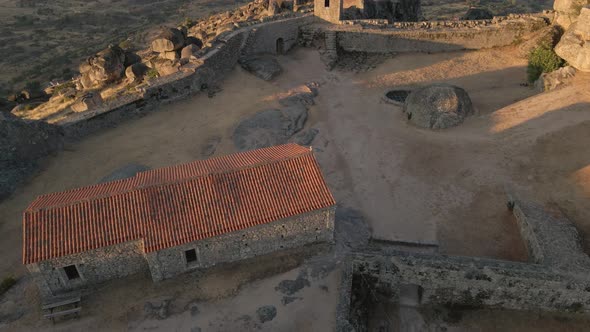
(542, 60)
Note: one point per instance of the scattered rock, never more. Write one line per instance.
(125, 172)
(265, 67)
(87, 101)
(574, 46)
(273, 7)
(131, 58)
(189, 51)
(196, 42)
(290, 287)
(555, 79)
(438, 106)
(266, 313)
(170, 55)
(169, 39)
(136, 72)
(305, 137)
(22, 145)
(475, 13)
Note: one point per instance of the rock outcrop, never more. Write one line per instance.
(567, 11)
(438, 106)
(22, 145)
(102, 68)
(574, 46)
(555, 79)
(168, 40)
(276, 126)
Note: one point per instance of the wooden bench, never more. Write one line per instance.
(62, 307)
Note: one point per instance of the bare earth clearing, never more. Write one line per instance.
(445, 187)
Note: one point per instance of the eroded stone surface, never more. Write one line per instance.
(438, 106)
(574, 46)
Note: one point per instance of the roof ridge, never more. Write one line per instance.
(163, 183)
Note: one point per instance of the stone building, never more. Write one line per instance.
(176, 219)
(390, 10)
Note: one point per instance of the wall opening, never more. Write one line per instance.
(190, 256)
(326, 3)
(280, 46)
(71, 272)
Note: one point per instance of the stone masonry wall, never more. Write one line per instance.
(556, 279)
(263, 38)
(376, 40)
(94, 266)
(316, 226)
(332, 13)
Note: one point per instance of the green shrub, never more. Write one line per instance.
(542, 60)
(6, 284)
(152, 73)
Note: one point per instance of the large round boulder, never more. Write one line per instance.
(438, 106)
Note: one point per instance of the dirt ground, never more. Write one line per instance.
(444, 187)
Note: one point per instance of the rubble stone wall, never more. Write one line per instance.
(263, 38)
(439, 39)
(313, 227)
(95, 266)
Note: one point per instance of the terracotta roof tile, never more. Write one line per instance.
(174, 205)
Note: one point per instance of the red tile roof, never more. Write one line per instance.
(174, 205)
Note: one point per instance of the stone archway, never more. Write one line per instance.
(280, 46)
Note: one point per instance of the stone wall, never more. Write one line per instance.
(95, 266)
(439, 39)
(316, 226)
(556, 279)
(263, 38)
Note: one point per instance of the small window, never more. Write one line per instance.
(190, 255)
(71, 272)
(326, 3)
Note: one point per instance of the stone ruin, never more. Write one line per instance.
(556, 277)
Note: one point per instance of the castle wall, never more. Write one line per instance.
(297, 231)
(373, 38)
(94, 266)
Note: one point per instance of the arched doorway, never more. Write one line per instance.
(280, 46)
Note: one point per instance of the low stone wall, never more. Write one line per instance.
(263, 38)
(95, 266)
(316, 226)
(436, 39)
(556, 279)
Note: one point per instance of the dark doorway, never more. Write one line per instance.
(71, 272)
(280, 46)
(326, 3)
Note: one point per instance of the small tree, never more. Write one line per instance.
(542, 60)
